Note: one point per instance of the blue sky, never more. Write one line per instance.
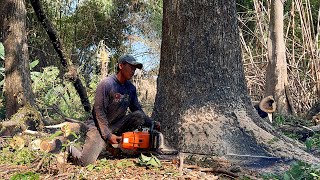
(145, 55)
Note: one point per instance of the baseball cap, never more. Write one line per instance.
(129, 59)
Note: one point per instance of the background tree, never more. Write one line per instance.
(276, 74)
(81, 25)
(72, 74)
(17, 87)
(300, 20)
(202, 98)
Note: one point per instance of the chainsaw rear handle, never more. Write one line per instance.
(153, 124)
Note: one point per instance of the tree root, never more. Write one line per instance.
(273, 145)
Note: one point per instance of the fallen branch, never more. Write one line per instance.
(181, 157)
(213, 170)
(69, 127)
(40, 163)
(75, 121)
(35, 133)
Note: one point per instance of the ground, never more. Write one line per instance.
(121, 168)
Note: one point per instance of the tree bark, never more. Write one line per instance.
(202, 98)
(17, 87)
(72, 73)
(276, 74)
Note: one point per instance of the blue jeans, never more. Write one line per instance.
(94, 143)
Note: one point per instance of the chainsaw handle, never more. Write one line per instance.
(155, 125)
(152, 125)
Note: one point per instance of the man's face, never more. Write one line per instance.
(127, 70)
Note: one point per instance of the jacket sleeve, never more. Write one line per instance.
(99, 107)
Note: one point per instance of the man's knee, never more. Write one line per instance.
(85, 161)
(138, 114)
(139, 117)
(92, 147)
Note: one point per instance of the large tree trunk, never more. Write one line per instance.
(202, 98)
(317, 65)
(276, 74)
(17, 87)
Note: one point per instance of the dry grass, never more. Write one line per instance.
(147, 89)
(302, 53)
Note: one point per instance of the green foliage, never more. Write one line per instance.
(1, 51)
(33, 64)
(298, 170)
(25, 176)
(313, 142)
(19, 157)
(55, 98)
(244, 5)
(150, 12)
(301, 170)
(309, 143)
(268, 176)
(2, 54)
(156, 17)
(124, 164)
(103, 163)
(80, 25)
(149, 161)
(24, 156)
(2, 76)
(279, 120)
(56, 134)
(273, 140)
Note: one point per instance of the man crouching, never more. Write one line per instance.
(114, 95)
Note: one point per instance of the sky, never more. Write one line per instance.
(145, 55)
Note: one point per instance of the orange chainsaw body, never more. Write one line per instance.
(135, 140)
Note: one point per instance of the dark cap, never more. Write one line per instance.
(130, 60)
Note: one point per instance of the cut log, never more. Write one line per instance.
(26, 118)
(68, 128)
(17, 142)
(71, 128)
(35, 144)
(53, 145)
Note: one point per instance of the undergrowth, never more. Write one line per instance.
(298, 170)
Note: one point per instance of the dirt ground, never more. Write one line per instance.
(128, 168)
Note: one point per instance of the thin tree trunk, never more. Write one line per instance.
(72, 73)
(17, 87)
(276, 74)
(317, 64)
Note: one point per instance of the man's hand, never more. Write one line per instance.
(114, 139)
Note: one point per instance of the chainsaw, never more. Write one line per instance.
(143, 140)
